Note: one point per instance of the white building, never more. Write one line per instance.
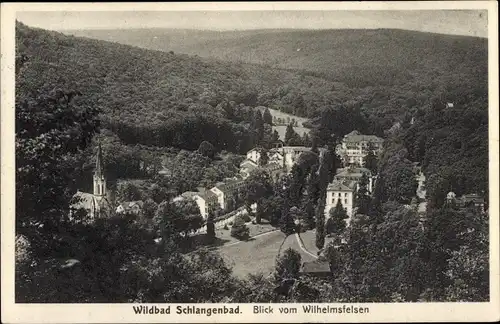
(133, 207)
(340, 191)
(225, 191)
(205, 199)
(286, 156)
(355, 146)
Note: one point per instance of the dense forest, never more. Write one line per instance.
(195, 116)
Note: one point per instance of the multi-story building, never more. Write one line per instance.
(227, 190)
(467, 201)
(340, 191)
(286, 156)
(355, 147)
(205, 199)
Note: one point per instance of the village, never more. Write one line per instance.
(222, 201)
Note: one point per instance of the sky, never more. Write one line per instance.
(458, 22)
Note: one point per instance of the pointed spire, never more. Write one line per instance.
(98, 162)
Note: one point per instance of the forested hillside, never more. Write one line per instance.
(164, 99)
(358, 57)
(195, 116)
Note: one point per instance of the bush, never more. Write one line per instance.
(225, 227)
(245, 217)
(231, 223)
(240, 229)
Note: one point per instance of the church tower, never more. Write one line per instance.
(99, 178)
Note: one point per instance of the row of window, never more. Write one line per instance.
(334, 201)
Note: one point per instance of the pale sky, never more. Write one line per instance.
(459, 22)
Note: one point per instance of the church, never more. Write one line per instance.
(96, 204)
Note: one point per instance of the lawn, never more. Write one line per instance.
(282, 131)
(258, 255)
(283, 115)
(309, 240)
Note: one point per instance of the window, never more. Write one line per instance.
(333, 200)
(345, 194)
(345, 201)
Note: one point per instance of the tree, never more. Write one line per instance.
(149, 208)
(337, 222)
(399, 181)
(206, 149)
(53, 129)
(287, 223)
(264, 157)
(371, 159)
(267, 117)
(291, 137)
(320, 221)
(257, 186)
(179, 217)
(258, 125)
(275, 137)
(362, 195)
(288, 265)
(239, 229)
(210, 226)
(128, 191)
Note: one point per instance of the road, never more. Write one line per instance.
(421, 193)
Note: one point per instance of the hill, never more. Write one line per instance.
(163, 99)
(357, 57)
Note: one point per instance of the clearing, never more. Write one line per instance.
(258, 255)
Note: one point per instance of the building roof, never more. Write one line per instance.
(341, 186)
(315, 267)
(206, 194)
(228, 182)
(353, 172)
(127, 205)
(248, 162)
(88, 201)
(475, 198)
(355, 136)
(272, 166)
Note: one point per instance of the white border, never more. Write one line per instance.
(111, 313)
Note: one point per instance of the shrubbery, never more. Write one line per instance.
(239, 229)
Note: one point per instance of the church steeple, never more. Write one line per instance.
(99, 178)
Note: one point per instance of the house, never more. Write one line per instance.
(286, 156)
(247, 167)
(354, 174)
(130, 207)
(467, 200)
(275, 170)
(225, 191)
(94, 204)
(205, 199)
(316, 268)
(340, 191)
(355, 147)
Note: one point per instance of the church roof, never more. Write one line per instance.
(88, 201)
